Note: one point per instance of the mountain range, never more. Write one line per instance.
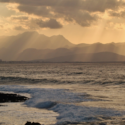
(32, 46)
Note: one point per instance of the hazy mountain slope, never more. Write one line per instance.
(94, 48)
(35, 40)
(16, 44)
(59, 42)
(99, 47)
(32, 46)
(32, 54)
(59, 52)
(81, 45)
(96, 57)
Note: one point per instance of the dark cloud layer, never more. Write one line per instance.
(37, 10)
(120, 14)
(89, 5)
(19, 28)
(82, 12)
(52, 23)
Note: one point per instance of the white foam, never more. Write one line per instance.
(43, 95)
(73, 113)
(60, 101)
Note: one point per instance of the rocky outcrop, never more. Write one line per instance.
(33, 123)
(5, 97)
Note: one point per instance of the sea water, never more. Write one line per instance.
(64, 93)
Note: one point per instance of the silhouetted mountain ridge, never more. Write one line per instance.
(88, 57)
(42, 54)
(34, 46)
(16, 44)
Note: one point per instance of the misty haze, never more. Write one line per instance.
(62, 62)
(31, 46)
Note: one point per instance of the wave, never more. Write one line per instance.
(45, 95)
(75, 73)
(73, 113)
(46, 105)
(25, 80)
(21, 80)
(13, 79)
(62, 102)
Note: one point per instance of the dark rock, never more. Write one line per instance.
(5, 97)
(29, 123)
(102, 124)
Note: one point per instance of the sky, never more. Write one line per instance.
(79, 21)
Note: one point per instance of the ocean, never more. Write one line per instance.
(64, 93)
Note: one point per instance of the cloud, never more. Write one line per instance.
(89, 5)
(82, 12)
(83, 18)
(119, 26)
(36, 10)
(102, 5)
(5, 12)
(19, 28)
(52, 23)
(20, 18)
(120, 14)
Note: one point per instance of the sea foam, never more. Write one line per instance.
(61, 101)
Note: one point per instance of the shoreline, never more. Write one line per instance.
(99, 121)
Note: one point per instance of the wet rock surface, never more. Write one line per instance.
(33, 123)
(6, 97)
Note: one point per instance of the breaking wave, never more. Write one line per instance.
(73, 113)
(4, 79)
(21, 80)
(62, 102)
(46, 105)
